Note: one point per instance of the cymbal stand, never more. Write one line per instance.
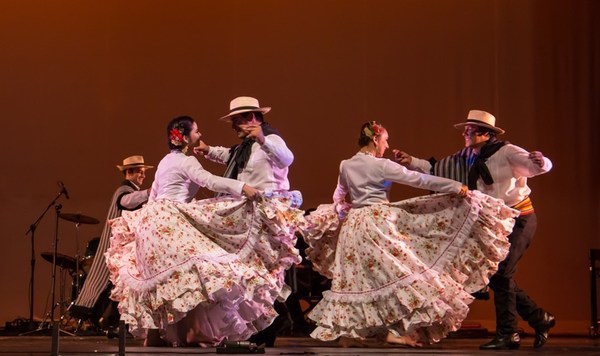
(56, 330)
(76, 281)
(77, 262)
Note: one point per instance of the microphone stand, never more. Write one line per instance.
(31, 230)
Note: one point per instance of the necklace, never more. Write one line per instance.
(368, 153)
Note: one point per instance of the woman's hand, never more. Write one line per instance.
(464, 191)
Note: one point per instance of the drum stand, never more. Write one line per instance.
(48, 318)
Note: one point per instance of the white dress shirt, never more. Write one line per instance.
(268, 166)
(510, 167)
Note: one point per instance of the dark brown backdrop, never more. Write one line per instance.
(85, 83)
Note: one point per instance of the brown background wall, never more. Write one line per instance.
(85, 83)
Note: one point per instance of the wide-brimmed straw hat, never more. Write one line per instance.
(133, 162)
(483, 119)
(243, 104)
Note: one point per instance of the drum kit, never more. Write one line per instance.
(77, 267)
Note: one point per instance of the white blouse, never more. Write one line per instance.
(369, 179)
(179, 177)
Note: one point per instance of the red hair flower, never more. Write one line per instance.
(373, 129)
(176, 137)
(376, 128)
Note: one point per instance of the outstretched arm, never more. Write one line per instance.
(399, 174)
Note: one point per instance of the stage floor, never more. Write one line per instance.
(101, 345)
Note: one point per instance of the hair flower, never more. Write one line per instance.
(373, 129)
(176, 137)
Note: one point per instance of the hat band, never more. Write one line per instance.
(480, 122)
(244, 108)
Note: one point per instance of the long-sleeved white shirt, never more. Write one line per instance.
(179, 177)
(268, 166)
(510, 167)
(134, 199)
(369, 179)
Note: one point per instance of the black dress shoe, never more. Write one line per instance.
(541, 331)
(503, 342)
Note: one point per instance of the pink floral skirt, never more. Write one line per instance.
(203, 271)
(407, 267)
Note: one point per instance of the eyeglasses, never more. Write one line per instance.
(470, 131)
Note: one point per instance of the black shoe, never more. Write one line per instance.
(267, 336)
(506, 342)
(79, 312)
(482, 294)
(541, 331)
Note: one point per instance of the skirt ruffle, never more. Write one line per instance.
(407, 267)
(218, 260)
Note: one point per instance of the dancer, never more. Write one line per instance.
(93, 302)
(499, 169)
(403, 271)
(262, 159)
(169, 273)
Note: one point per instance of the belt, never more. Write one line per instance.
(525, 206)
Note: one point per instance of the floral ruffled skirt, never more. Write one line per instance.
(409, 267)
(203, 271)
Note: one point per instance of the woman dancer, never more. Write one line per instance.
(403, 271)
(170, 274)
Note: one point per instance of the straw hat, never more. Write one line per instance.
(133, 162)
(243, 104)
(483, 119)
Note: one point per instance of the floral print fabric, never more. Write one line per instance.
(407, 267)
(213, 267)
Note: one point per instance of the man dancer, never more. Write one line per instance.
(93, 301)
(261, 160)
(499, 169)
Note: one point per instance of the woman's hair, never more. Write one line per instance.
(178, 128)
(368, 132)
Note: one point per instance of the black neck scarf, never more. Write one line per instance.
(479, 168)
(240, 154)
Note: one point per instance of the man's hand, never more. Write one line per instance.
(255, 132)
(402, 157)
(250, 192)
(537, 158)
(202, 148)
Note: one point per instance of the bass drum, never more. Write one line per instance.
(90, 253)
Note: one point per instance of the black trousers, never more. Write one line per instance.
(509, 299)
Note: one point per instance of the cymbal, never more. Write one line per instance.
(62, 261)
(78, 218)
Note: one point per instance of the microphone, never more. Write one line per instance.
(63, 189)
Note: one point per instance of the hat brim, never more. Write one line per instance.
(227, 117)
(497, 130)
(129, 166)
